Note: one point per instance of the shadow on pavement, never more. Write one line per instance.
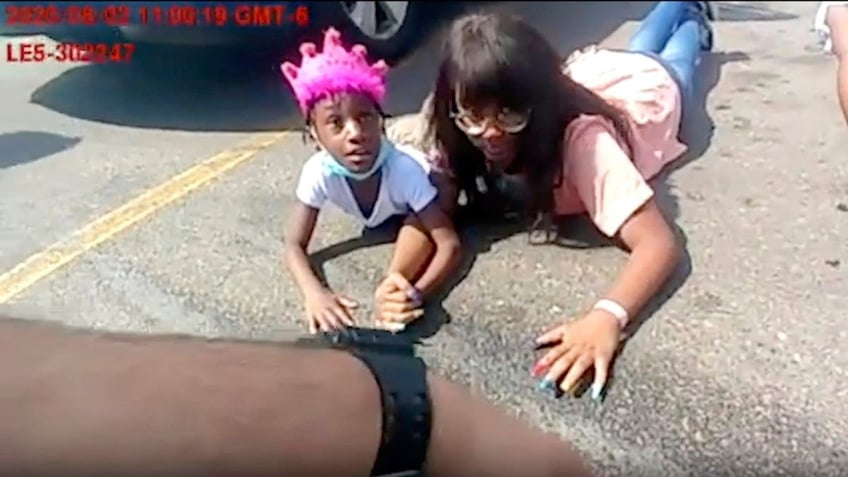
(193, 96)
(697, 129)
(750, 12)
(21, 147)
(182, 89)
(190, 97)
(477, 238)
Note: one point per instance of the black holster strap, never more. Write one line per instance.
(407, 411)
(401, 377)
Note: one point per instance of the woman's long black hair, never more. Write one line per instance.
(499, 59)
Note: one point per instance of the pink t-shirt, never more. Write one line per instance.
(601, 179)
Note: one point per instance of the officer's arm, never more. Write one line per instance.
(78, 403)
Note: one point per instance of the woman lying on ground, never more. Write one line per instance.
(580, 136)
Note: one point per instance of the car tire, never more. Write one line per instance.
(388, 29)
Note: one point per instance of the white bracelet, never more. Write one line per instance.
(614, 309)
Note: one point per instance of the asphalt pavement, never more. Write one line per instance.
(740, 371)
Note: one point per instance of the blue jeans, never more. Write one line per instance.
(671, 33)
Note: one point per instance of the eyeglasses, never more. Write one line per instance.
(474, 124)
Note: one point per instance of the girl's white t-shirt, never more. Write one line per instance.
(404, 187)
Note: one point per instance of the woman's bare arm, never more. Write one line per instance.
(80, 403)
(654, 252)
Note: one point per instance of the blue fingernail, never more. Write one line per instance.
(546, 385)
(596, 391)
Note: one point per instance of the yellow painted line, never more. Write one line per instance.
(56, 256)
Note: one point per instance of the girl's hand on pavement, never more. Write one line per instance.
(397, 303)
(327, 311)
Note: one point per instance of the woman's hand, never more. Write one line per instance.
(396, 303)
(578, 346)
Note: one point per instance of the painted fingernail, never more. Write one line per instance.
(539, 369)
(597, 388)
(547, 385)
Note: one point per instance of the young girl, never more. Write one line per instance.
(587, 136)
(831, 23)
(366, 176)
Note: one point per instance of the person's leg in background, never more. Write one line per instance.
(837, 22)
(658, 26)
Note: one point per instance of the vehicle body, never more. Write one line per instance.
(259, 28)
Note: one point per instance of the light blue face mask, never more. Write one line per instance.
(335, 167)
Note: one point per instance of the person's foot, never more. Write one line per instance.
(706, 14)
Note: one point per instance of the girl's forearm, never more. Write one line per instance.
(646, 271)
(444, 262)
(299, 266)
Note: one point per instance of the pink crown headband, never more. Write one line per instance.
(334, 70)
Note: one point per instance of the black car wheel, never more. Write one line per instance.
(388, 29)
